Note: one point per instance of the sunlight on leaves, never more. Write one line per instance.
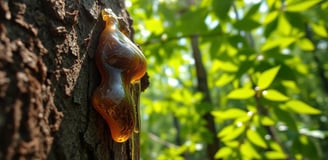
(267, 121)
(270, 17)
(226, 66)
(291, 85)
(231, 113)
(300, 6)
(284, 27)
(224, 79)
(226, 130)
(259, 56)
(278, 42)
(319, 30)
(274, 95)
(248, 151)
(223, 152)
(301, 107)
(256, 138)
(306, 44)
(275, 155)
(267, 77)
(154, 25)
(237, 131)
(241, 93)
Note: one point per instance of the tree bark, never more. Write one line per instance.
(47, 76)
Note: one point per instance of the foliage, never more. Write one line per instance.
(267, 73)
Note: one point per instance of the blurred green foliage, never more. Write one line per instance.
(267, 70)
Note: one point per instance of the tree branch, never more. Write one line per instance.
(166, 40)
(202, 86)
(160, 141)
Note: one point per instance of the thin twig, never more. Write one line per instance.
(160, 141)
(174, 38)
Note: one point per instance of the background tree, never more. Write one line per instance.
(47, 75)
(258, 67)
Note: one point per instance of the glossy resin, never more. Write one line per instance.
(121, 65)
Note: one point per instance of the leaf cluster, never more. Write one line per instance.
(267, 70)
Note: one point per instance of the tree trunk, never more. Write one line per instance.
(202, 86)
(47, 76)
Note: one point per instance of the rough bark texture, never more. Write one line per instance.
(47, 75)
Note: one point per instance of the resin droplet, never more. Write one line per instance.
(121, 64)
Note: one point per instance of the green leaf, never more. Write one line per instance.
(221, 8)
(248, 151)
(232, 113)
(223, 152)
(267, 77)
(274, 95)
(275, 155)
(284, 26)
(154, 25)
(241, 93)
(320, 29)
(301, 107)
(247, 24)
(228, 66)
(267, 121)
(253, 10)
(256, 138)
(231, 132)
(232, 144)
(226, 130)
(270, 28)
(236, 132)
(285, 116)
(275, 146)
(271, 3)
(290, 85)
(224, 79)
(306, 44)
(270, 44)
(302, 5)
(194, 18)
(270, 17)
(295, 20)
(281, 42)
